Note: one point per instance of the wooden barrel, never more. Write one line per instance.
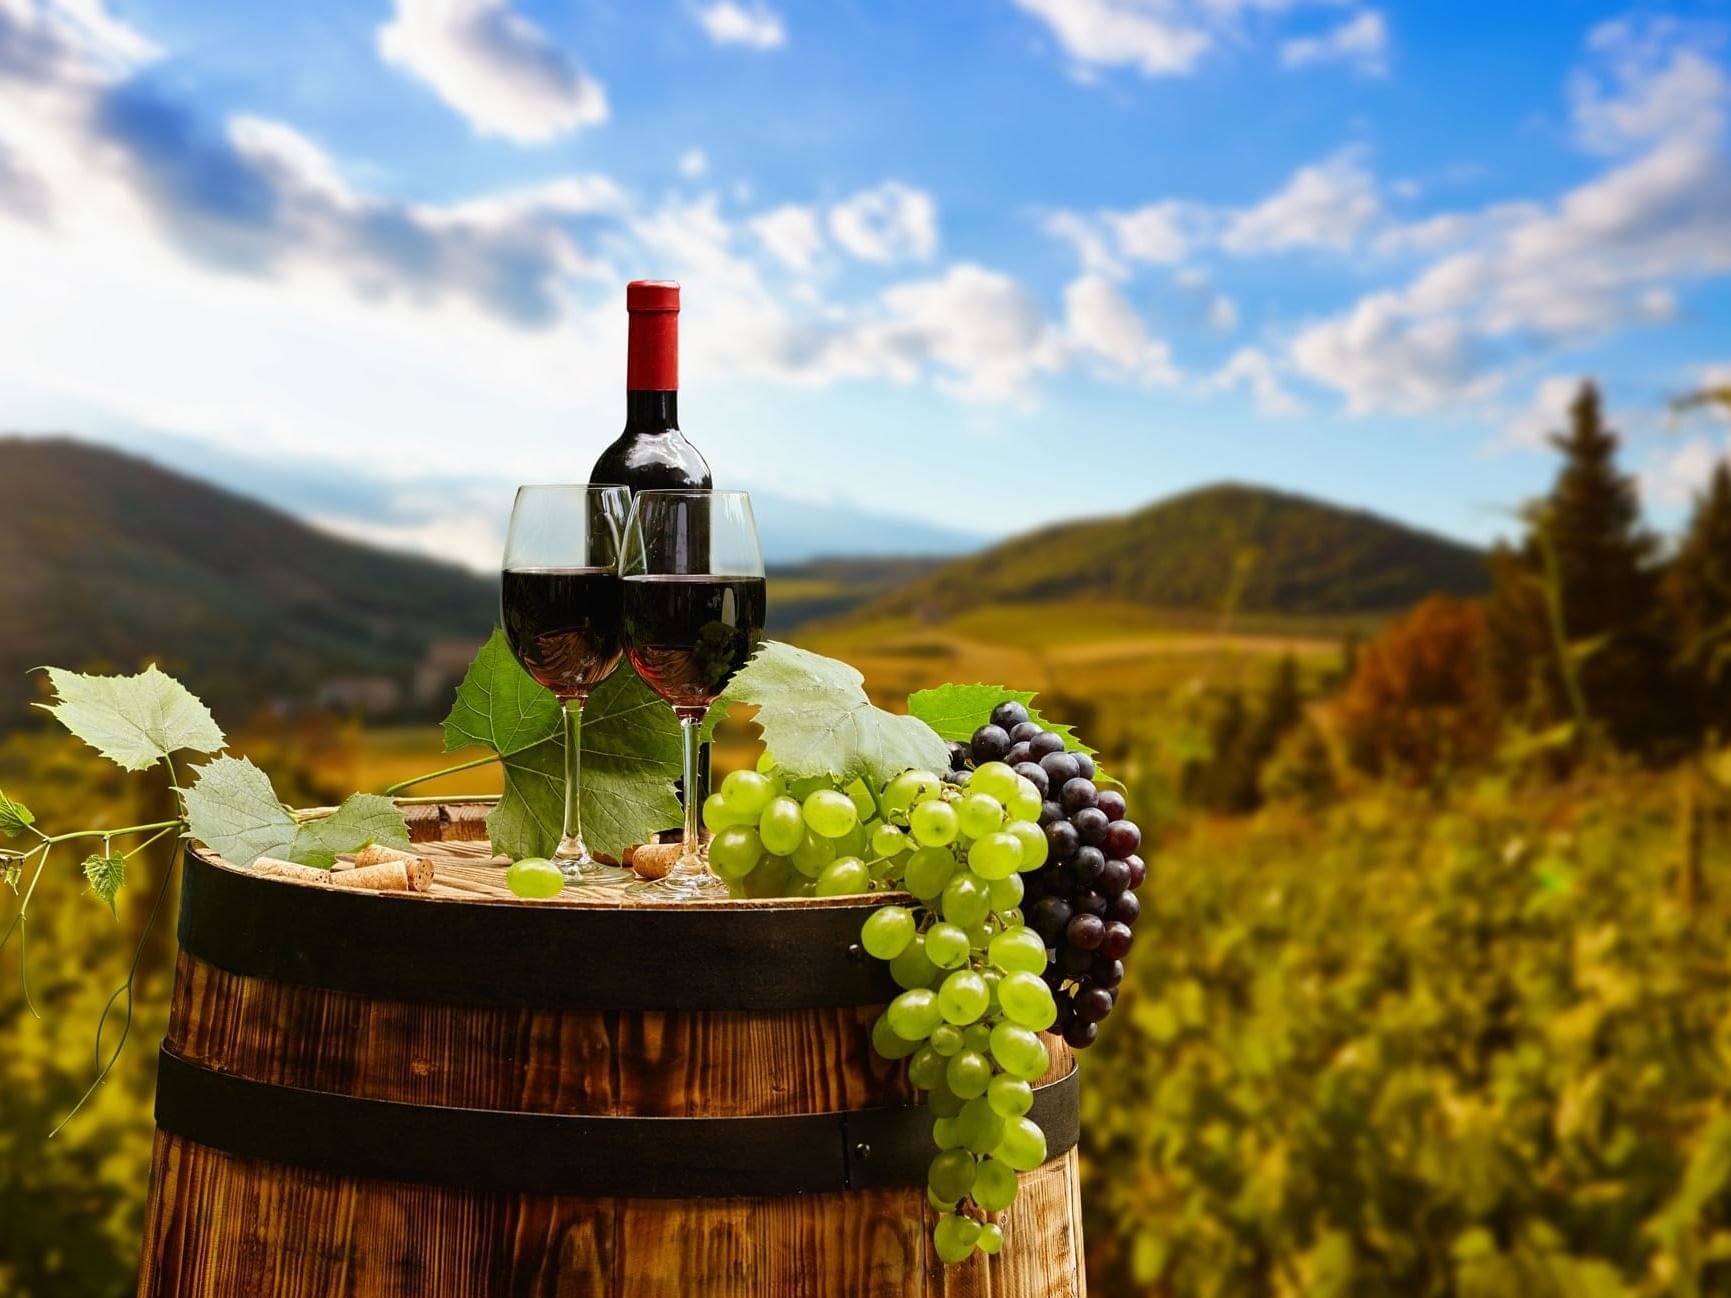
(457, 1095)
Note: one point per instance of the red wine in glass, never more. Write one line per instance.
(563, 625)
(690, 633)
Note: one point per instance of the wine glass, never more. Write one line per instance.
(694, 606)
(559, 601)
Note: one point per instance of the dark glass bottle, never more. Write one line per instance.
(652, 453)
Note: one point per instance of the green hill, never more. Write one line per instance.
(108, 561)
(1250, 549)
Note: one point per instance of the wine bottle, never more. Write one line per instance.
(652, 453)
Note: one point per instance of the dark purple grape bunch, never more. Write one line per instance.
(1083, 900)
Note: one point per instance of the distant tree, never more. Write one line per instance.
(1419, 705)
(1301, 769)
(1698, 598)
(1574, 617)
(1241, 742)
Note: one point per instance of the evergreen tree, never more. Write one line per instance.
(1698, 597)
(1586, 570)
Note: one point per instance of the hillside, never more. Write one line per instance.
(1250, 548)
(107, 560)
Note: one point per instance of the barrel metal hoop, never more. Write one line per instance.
(500, 1151)
(393, 947)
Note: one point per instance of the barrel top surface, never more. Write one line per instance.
(469, 941)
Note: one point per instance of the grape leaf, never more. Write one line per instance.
(956, 711)
(631, 755)
(499, 705)
(15, 817)
(232, 809)
(362, 820)
(106, 874)
(134, 721)
(816, 719)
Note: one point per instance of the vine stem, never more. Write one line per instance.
(485, 760)
(112, 833)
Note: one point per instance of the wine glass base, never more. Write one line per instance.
(680, 887)
(587, 872)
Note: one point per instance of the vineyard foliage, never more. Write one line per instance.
(1387, 1051)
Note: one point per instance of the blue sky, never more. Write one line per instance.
(976, 265)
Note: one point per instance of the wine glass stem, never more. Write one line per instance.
(572, 835)
(690, 723)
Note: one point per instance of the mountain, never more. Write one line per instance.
(1228, 546)
(108, 560)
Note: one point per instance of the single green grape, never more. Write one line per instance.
(716, 813)
(1025, 802)
(914, 1013)
(934, 823)
(995, 780)
(888, 1042)
(1018, 950)
(946, 945)
(993, 977)
(769, 879)
(977, 1037)
(968, 1073)
(888, 841)
(735, 851)
(942, 1205)
(813, 855)
(962, 997)
(912, 968)
(951, 1174)
(747, 793)
(929, 869)
(1006, 894)
(980, 935)
(995, 1182)
(926, 1068)
(954, 1237)
(946, 1039)
(846, 877)
(534, 878)
(830, 812)
(1023, 1146)
(765, 762)
(781, 825)
(887, 932)
(852, 843)
(979, 1127)
(1033, 843)
(1028, 1001)
(901, 793)
(996, 856)
(942, 1101)
(1010, 1097)
(1019, 1051)
(991, 1240)
(965, 900)
(944, 1134)
(980, 814)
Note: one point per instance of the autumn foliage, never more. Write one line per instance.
(1417, 707)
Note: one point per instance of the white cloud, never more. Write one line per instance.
(1092, 248)
(1103, 326)
(693, 163)
(1325, 205)
(1361, 42)
(791, 234)
(494, 67)
(105, 38)
(890, 223)
(1126, 33)
(1651, 82)
(758, 27)
(1162, 233)
(1674, 477)
(1255, 370)
(1545, 414)
(1383, 358)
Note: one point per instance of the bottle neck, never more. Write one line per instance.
(652, 411)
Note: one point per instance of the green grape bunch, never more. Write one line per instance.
(974, 1000)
